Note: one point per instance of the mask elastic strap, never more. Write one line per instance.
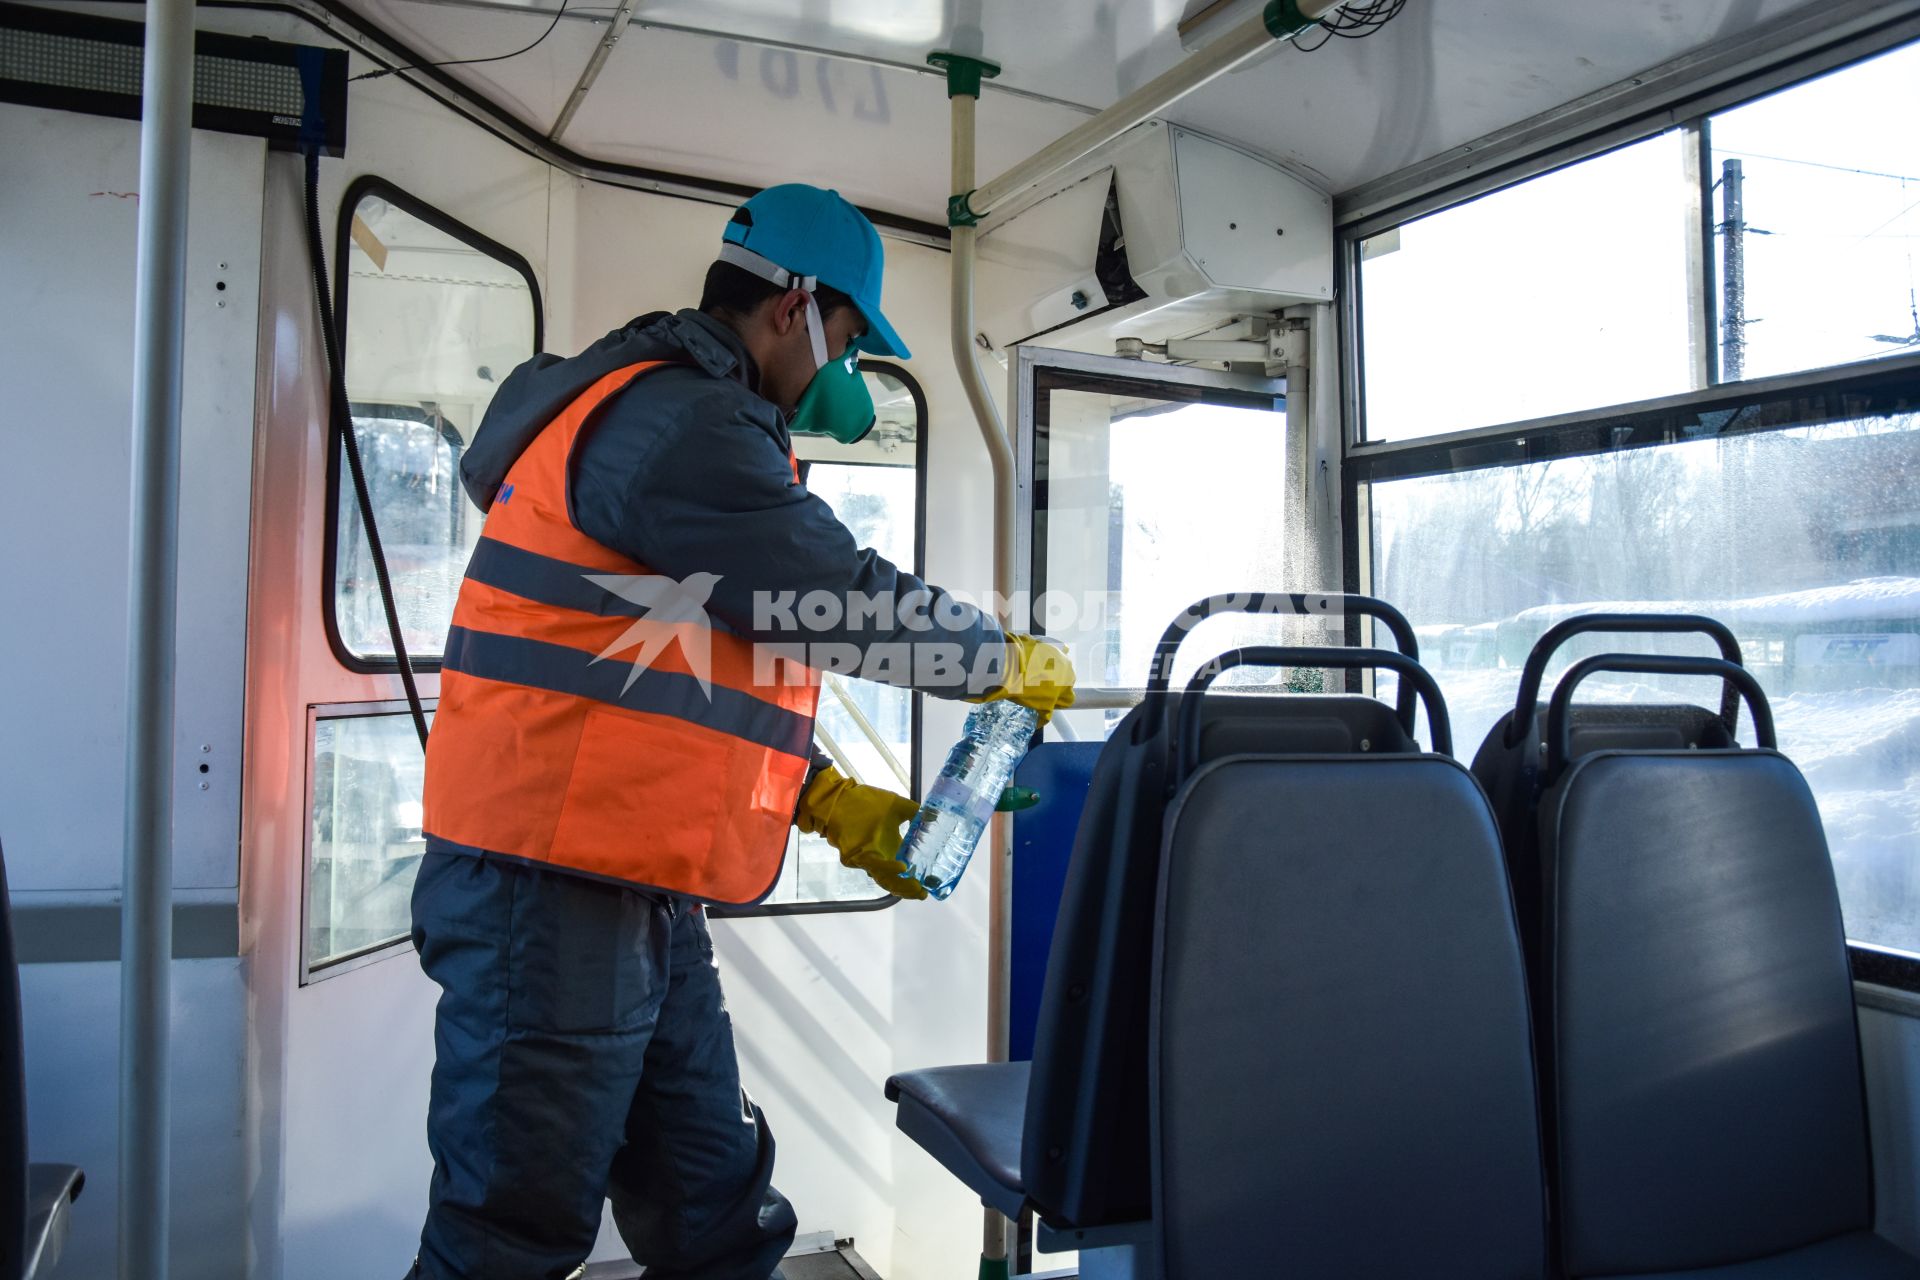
(747, 260)
(817, 331)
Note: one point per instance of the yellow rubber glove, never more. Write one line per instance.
(1038, 676)
(863, 823)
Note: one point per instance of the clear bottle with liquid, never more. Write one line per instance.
(962, 799)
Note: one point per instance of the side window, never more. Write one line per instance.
(868, 729)
(363, 838)
(1768, 238)
(1575, 285)
(435, 317)
(1785, 508)
(1804, 540)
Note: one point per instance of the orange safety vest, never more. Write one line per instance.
(544, 750)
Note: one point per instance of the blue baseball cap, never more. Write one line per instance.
(812, 232)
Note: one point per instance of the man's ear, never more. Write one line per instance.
(789, 309)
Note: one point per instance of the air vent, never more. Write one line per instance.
(292, 95)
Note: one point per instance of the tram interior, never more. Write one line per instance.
(1519, 399)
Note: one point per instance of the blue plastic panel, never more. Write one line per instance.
(1042, 844)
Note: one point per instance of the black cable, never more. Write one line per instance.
(342, 436)
(468, 62)
(1354, 22)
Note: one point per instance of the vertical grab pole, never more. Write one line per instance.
(146, 920)
(963, 91)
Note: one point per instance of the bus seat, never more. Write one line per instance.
(1085, 1140)
(1110, 877)
(38, 1197)
(1511, 761)
(1706, 1108)
(968, 1118)
(1509, 766)
(1084, 1152)
(1085, 1156)
(1341, 1056)
(1073, 1122)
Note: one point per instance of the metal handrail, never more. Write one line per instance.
(871, 734)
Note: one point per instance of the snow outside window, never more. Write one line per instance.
(1805, 541)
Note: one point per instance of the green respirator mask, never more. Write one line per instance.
(836, 403)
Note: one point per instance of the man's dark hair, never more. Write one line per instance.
(733, 293)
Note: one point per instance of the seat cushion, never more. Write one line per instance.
(1858, 1255)
(969, 1119)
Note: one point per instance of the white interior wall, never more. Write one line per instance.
(68, 209)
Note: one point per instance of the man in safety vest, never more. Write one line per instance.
(624, 734)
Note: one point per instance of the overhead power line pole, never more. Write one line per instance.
(1733, 275)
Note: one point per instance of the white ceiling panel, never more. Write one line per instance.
(753, 114)
(533, 86)
(743, 106)
(1446, 72)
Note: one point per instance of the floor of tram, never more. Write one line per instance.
(841, 1263)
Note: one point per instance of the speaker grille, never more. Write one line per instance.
(293, 95)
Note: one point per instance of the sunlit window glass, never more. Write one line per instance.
(1143, 504)
(365, 842)
(1827, 231)
(1805, 541)
(1566, 292)
(433, 326)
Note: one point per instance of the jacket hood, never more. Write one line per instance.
(539, 390)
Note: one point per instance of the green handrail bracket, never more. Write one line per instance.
(959, 212)
(1284, 19)
(964, 74)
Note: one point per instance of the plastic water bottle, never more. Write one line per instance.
(956, 810)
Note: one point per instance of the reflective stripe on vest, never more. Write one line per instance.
(594, 717)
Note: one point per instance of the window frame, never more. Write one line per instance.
(311, 972)
(884, 900)
(1749, 406)
(439, 220)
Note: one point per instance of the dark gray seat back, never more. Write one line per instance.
(1511, 762)
(1343, 1079)
(1511, 768)
(1085, 1150)
(1704, 1060)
